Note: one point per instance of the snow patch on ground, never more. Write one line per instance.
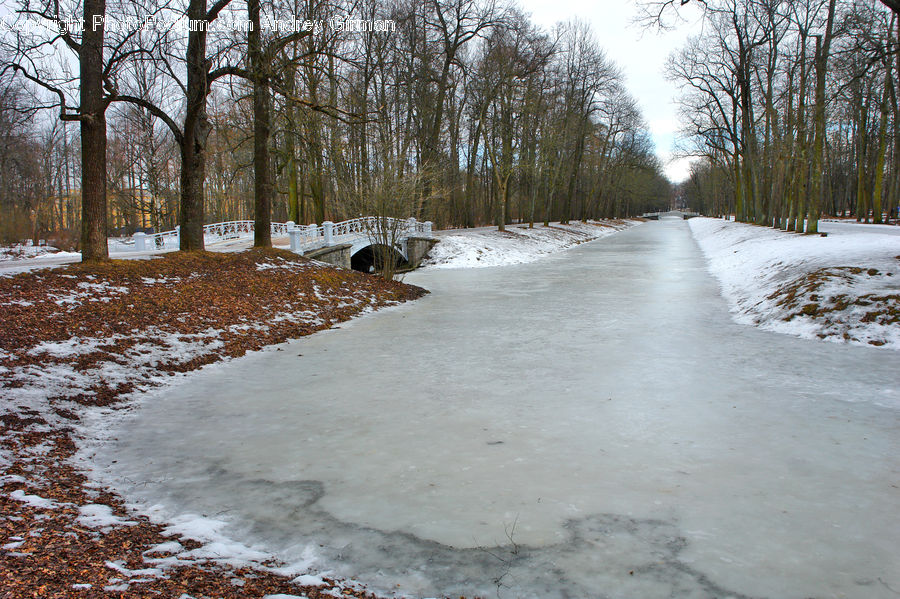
(35, 501)
(24, 252)
(844, 287)
(71, 347)
(476, 248)
(100, 516)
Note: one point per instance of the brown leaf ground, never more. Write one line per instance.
(142, 320)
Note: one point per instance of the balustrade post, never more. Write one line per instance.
(328, 228)
(177, 236)
(294, 234)
(140, 241)
(428, 228)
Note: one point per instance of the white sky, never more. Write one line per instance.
(641, 54)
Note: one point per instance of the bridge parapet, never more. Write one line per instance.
(674, 213)
(167, 240)
(372, 228)
(303, 238)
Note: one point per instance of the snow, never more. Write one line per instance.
(477, 248)
(119, 566)
(11, 265)
(215, 545)
(100, 516)
(90, 292)
(160, 280)
(283, 265)
(166, 547)
(25, 252)
(71, 347)
(757, 268)
(35, 501)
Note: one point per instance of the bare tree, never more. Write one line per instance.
(31, 54)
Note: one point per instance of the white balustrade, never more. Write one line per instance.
(301, 237)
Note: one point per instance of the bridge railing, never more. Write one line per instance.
(303, 237)
(372, 228)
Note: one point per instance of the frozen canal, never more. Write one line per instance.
(592, 424)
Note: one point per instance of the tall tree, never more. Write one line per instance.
(29, 58)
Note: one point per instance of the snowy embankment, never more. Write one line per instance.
(473, 248)
(843, 287)
(20, 251)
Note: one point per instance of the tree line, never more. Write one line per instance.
(792, 108)
(461, 112)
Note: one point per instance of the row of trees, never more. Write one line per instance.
(457, 111)
(792, 106)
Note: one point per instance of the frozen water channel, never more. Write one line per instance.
(593, 424)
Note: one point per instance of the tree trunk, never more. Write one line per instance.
(862, 151)
(470, 175)
(93, 137)
(262, 182)
(823, 47)
(196, 131)
(879, 170)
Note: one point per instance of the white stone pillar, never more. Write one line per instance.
(428, 228)
(140, 241)
(294, 234)
(177, 236)
(328, 227)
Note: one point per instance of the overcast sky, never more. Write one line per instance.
(640, 54)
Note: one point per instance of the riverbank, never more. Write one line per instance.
(519, 244)
(844, 287)
(78, 337)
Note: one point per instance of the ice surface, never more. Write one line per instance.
(593, 424)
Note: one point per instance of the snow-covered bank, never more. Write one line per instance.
(470, 248)
(843, 287)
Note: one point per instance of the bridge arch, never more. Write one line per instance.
(368, 257)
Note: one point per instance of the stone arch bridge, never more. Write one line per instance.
(356, 243)
(671, 214)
